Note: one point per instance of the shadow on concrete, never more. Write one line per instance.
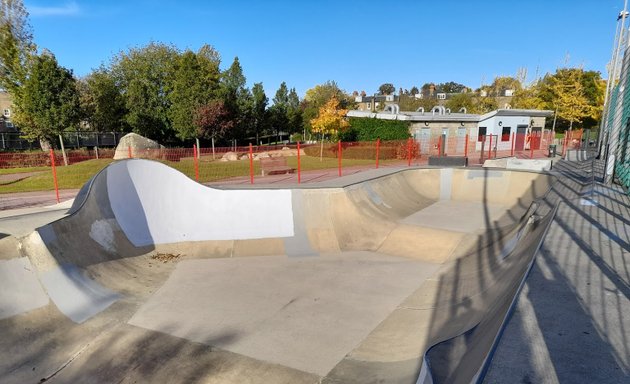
(571, 322)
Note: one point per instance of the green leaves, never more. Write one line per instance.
(49, 102)
(143, 76)
(191, 87)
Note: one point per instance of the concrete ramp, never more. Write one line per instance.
(404, 276)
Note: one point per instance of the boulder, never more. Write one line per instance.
(230, 156)
(140, 147)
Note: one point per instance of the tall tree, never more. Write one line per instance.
(190, 87)
(294, 112)
(232, 91)
(279, 110)
(259, 110)
(50, 102)
(386, 89)
(17, 49)
(568, 97)
(143, 76)
(102, 104)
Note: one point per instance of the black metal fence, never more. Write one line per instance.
(78, 139)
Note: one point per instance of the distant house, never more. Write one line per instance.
(440, 121)
(6, 110)
(374, 103)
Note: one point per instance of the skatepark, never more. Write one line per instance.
(394, 276)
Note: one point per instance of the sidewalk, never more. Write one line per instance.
(34, 199)
(571, 323)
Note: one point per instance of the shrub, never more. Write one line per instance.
(370, 129)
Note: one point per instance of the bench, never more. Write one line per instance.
(274, 165)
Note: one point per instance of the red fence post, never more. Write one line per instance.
(129, 156)
(466, 146)
(299, 164)
(251, 164)
(378, 148)
(531, 148)
(339, 156)
(409, 152)
(440, 146)
(490, 148)
(513, 143)
(54, 172)
(196, 162)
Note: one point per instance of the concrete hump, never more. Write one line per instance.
(155, 204)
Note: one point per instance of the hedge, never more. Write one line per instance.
(364, 151)
(370, 129)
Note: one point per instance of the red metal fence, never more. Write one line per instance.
(299, 163)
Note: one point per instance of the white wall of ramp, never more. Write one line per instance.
(155, 204)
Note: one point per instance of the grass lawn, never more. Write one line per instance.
(75, 175)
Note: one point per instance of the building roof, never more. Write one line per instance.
(449, 117)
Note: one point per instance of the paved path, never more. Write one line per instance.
(34, 199)
(572, 320)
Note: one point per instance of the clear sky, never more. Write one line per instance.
(358, 44)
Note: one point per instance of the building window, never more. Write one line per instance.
(9, 124)
(369, 106)
(441, 96)
(505, 134)
(482, 134)
(7, 112)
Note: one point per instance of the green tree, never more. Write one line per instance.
(594, 90)
(484, 105)
(279, 110)
(190, 87)
(234, 94)
(461, 100)
(411, 103)
(294, 112)
(502, 84)
(386, 89)
(49, 102)
(102, 104)
(529, 98)
(143, 76)
(450, 87)
(259, 110)
(17, 49)
(565, 92)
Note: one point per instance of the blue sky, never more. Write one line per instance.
(358, 44)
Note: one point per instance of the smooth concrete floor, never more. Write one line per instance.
(471, 216)
(305, 313)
